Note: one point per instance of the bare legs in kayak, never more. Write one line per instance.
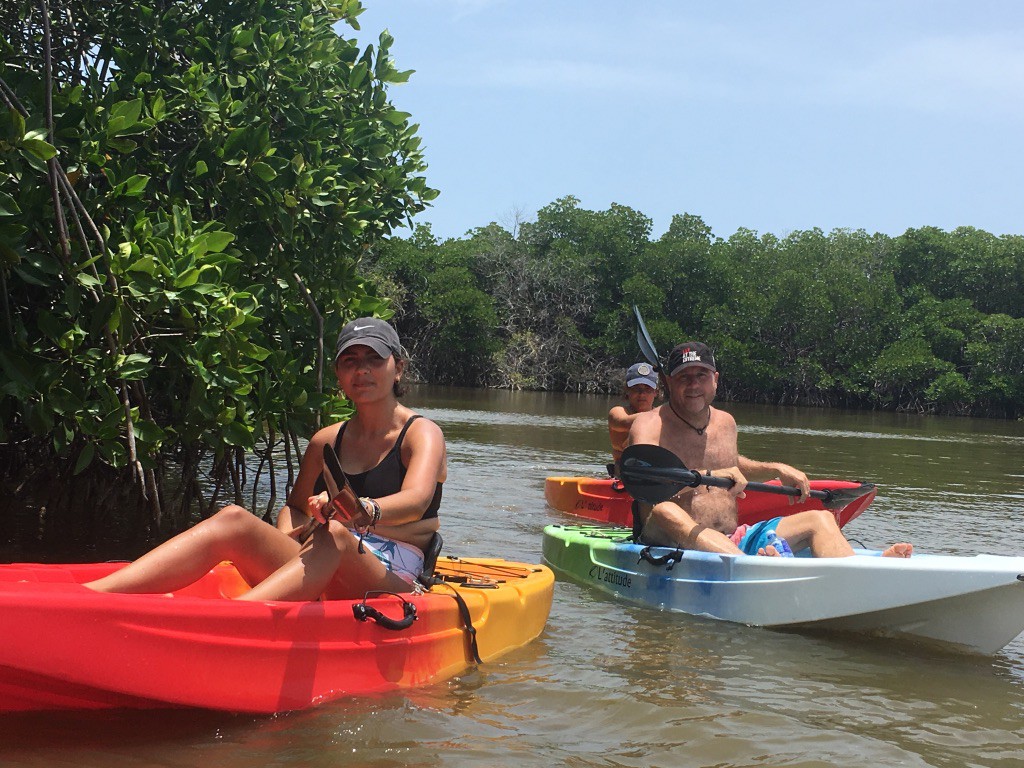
(275, 563)
(818, 530)
(669, 524)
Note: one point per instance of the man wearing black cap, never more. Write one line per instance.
(641, 389)
(705, 439)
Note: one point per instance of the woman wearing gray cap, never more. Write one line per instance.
(395, 461)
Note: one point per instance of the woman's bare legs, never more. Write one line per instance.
(265, 557)
(330, 565)
(256, 549)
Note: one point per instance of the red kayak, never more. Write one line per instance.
(66, 647)
(606, 501)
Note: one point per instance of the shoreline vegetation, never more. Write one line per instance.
(927, 322)
(194, 198)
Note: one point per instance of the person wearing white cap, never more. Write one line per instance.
(639, 393)
(394, 461)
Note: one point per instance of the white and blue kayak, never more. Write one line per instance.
(973, 603)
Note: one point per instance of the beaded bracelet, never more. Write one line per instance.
(374, 509)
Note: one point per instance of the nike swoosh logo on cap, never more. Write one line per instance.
(361, 327)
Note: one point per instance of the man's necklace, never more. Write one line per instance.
(698, 430)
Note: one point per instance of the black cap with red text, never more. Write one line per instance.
(688, 354)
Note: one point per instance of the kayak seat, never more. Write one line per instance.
(430, 555)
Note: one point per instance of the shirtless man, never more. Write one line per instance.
(641, 389)
(704, 438)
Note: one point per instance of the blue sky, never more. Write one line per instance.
(771, 116)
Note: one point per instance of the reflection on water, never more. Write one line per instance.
(611, 684)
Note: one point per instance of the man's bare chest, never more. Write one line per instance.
(703, 451)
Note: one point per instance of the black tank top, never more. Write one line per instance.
(384, 479)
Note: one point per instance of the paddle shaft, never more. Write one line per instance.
(687, 478)
(343, 499)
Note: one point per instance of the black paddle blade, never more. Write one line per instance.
(838, 498)
(642, 471)
(643, 338)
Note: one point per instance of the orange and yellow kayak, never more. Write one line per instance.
(67, 647)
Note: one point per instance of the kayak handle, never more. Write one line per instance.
(668, 560)
(364, 612)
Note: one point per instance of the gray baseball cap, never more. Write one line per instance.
(641, 373)
(372, 332)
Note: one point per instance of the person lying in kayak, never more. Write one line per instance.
(703, 436)
(396, 463)
(639, 393)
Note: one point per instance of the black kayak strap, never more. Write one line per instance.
(467, 619)
(638, 524)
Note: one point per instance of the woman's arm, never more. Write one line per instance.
(425, 458)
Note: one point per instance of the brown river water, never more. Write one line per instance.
(608, 684)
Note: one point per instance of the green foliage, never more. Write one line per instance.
(966, 263)
(226, 166)
(608, 245)
(456, 314)
(905, 368)
(512, 310)
(445, 318)
(950, 389)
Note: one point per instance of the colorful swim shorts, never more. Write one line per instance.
(751, 538)
(403, 560)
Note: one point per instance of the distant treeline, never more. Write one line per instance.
(929, 321)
